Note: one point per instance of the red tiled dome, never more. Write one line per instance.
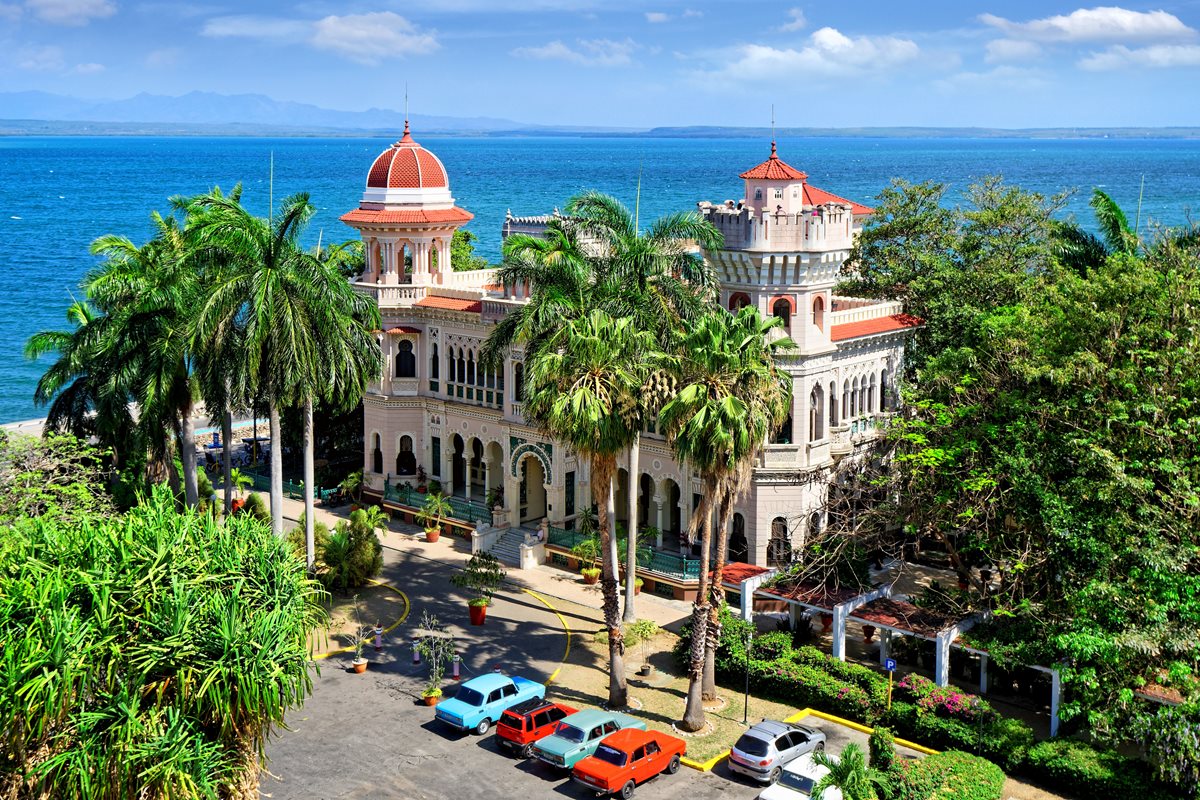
(407, 165)
(774, 169)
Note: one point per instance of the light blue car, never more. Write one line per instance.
(579, 734)
(480, 701)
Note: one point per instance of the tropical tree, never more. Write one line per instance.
(848, 773)
(731, 396)
(150, 293)
(581, 389)
(78, 387)
(301, 332)
(670, 282)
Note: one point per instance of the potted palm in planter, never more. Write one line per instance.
(358, 641)
(588, 553)
(481, 576)
(431, 515)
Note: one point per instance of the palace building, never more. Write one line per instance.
(436, 413)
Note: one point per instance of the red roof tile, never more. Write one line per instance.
(819, 197)
(415, 216)
(403, 329)
(450, 303)
(870, 327)
(811, 594)
(773, 169)
(735, 572)
(903, 616)
(407, 165)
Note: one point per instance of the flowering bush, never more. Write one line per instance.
(945, 701)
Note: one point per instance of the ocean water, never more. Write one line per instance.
(57, 194)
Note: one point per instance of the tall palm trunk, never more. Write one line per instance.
(227, 459)
(602, 493)
(631, 553)
(276, 470)
(693, 714)
(713, 634)
(187, 457)
(309, 543)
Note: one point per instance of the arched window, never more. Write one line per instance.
(779, 548)
(462, 366)
(816, 414)
(406, 462)
(833, 407)
(871, 395)
(738, 300)
(738, 549)
(845, 400)
(814, 524)
(377, 455)
(885, 397)
(451, 368)
(854, 399)
(406, 362)
(782, 309)
(518, 382)
(471, 367)
(434, 367)
(818, 312)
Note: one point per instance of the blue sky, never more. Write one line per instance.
(607, 62)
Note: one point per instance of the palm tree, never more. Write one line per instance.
(670, 282)
(284, 309)
(77, 387)
(730, 397)
(240, 481)
(848, 773)
(582, 387)
(150, 293)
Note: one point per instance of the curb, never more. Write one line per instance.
(566, 627)
(388, 629)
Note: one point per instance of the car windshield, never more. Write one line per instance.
(801, 783)
(611, 755)
(472, 697)
(569, 732)
(752, 745)
(512, 720)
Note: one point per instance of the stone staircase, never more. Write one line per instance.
(508, 547)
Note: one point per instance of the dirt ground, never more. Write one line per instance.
(376, 604)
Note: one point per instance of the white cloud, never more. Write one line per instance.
(796, 22)
(827, 52)
(70, 12)
(41, 59)
(1102, 24)
(90, 68)
(10, 12)
(657, 16)
(1155, 56)
(692, 12)
(1003, 50)
(589, 52)
(1002, 77)
(249, 26)
(371, 38)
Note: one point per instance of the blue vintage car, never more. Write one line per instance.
(480, 701)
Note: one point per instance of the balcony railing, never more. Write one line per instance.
(668, 565)
(462, 509)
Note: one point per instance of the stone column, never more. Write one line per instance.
(658, 521)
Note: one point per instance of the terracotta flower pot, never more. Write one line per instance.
(431, 699)
(478, 614)
(826, 623)
(432, 534)
(868, 633)
(591, 578)
(360, 665)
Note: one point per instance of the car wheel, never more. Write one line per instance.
(673, 767)
(820, 748)
(527, 751)
(774, 776)
(627, 790)
(483, 727)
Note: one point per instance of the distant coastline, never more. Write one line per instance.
(35, 127)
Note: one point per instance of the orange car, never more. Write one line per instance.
(627, 758)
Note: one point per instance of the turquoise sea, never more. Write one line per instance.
(57, 194)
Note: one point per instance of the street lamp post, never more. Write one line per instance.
(746, 702)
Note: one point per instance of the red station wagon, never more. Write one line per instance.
(523, 724)
(627, 758)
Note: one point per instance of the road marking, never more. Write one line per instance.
(388, 629)
(566, 627)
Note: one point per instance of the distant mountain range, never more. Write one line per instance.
(212, 114)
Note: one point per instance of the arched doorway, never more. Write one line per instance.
(533, 489)
(779, 548)
(739, 550)
(645, 498)
(495, 475)
(478, 490)
(621, 497)
(781, 309)
(406, 462)
(673, 518)
(406, 360)
(377, 456)
(458, 466)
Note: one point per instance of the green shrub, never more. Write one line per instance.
(802, 685)
(296, 540)
(882, 748)
(256, 508)
(1077, 767)
(771, 646)
(952, 774)
(1003, 740)
(864, 677)
(352, 557)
